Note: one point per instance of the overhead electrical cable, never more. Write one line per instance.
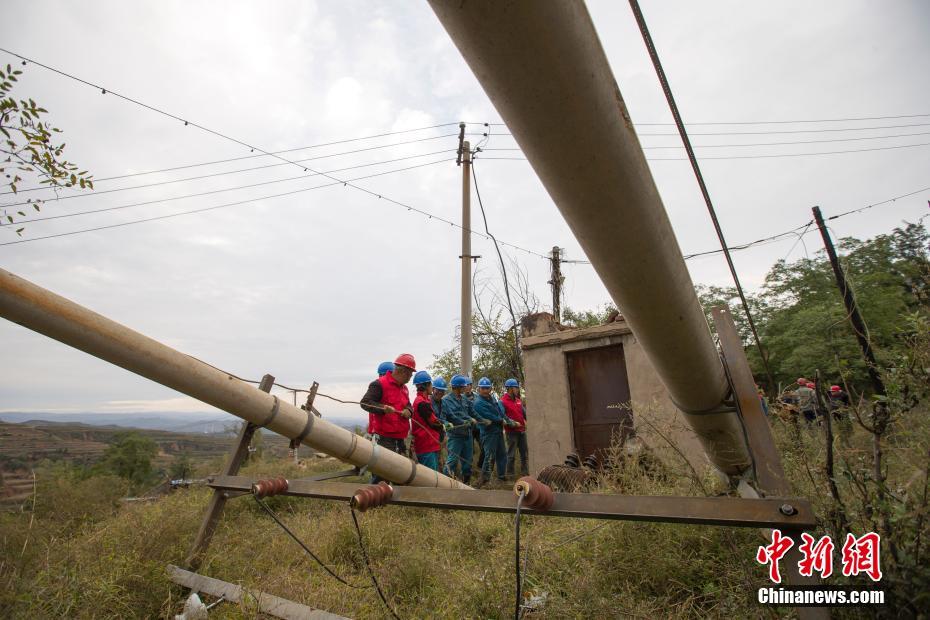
(500, 257)
(792, 143)
(125, 176)
(209, 130)
(429, 215)
(761, 156)
(808, 120)
(197, 195)
(771, 132)
(787, 233)
(345, 183)
(228, 189)
(876, 204)
(775, 122)
(660, 72)
(222, 206)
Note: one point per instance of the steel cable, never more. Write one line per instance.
(361, 545)
(272, 514)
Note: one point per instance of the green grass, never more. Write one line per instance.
(89, 556)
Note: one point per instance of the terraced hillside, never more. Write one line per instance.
(24, 445)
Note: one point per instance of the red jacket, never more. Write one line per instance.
(425, 437)
(513, 407)
(392, 424)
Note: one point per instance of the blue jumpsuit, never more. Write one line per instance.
(457, 410)
(492, 435)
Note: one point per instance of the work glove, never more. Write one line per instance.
(510, 423)
(447, 426)
(472, 422)
(484, 422)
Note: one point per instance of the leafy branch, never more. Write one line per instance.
(29, 150)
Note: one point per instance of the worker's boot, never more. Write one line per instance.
(481, 480)
(466, 479)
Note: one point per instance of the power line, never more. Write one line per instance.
(745, 246)
(215, 207)
(345, 183)
(769, 156)
(228, 189)
(660, 72)
(875, 204)
(772, 132)
(796, 142)
(786, 233)
(821, 120)
(198, 195)
(135, 174)
(779, 236)
(500, 257)
(777, 122)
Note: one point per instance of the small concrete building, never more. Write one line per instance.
(588, 387)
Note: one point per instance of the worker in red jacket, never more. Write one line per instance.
(388, 399)
(383, 367)
(516, 435)
(425, 426)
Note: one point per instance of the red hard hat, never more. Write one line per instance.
(834, 388)
(405, 359)
(810, 384)
(802, 381)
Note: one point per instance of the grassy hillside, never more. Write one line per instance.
(85, 555)
(25, 445)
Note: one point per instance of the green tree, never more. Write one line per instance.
(30, 150)
(587, 318)
(130, 457)
(181, 467)
(800, 313)
(493, 351)
(804, 321)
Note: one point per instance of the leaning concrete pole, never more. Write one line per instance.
(56, 317)
(543, 67)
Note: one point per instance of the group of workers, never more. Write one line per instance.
(804, 400)
(449, 413)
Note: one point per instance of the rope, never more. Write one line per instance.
(361, 545)
(305, 548)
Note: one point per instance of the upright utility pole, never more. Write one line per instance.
(464, 159)
(556, 283)
(852, 309)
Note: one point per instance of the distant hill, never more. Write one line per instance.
(179, 422)
(30, 438)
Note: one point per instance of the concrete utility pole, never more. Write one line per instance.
(466, 337)
(542, 66)
(852, 309)
(556, 282)
(40, 310)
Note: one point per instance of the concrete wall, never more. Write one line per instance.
(549, 408)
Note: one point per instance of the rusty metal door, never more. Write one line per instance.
(600, 393)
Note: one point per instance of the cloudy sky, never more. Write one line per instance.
(323, 284)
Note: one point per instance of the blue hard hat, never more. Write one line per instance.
(385, 367)
(421, 377)
(509, 383)
(439, 384)
(458, 381)
(484, 382)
